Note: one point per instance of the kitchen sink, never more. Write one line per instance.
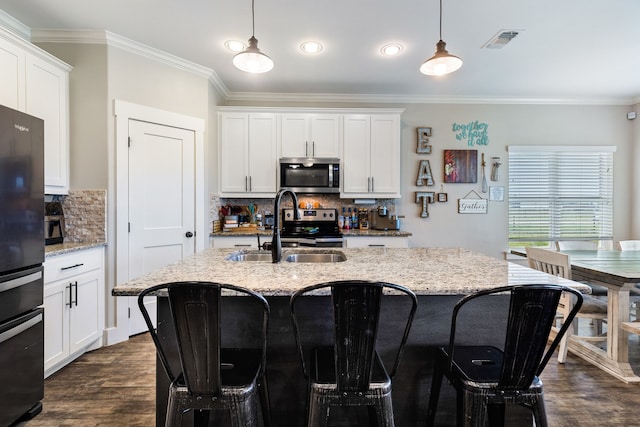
(306, 256)
(335, 256)
(250, 256)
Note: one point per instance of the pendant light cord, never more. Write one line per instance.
(253, 17)
(440, 19)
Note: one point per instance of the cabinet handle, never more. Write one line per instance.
(246, 188)
(249, 182)
(373, 186)
(369, 184)
(75, 285)
(376, 246)
(72, 266)
(313, 148)
(238, 245)
(306, 148)
(70, 303)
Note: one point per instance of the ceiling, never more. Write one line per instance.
(566, 51)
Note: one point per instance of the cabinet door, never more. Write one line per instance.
(46, 98)
(325, 135)
(12, 60)
(86, 311)
(234, 142)
(385, 155)
(262, 154)
(294, 140)
(56, 323)
(356, 173)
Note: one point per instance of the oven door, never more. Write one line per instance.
(21, 366)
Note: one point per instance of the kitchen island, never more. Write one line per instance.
(439, 276)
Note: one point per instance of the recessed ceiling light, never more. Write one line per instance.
(235, 45)
(311, 47)
(391, 49)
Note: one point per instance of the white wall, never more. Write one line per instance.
(508, 125)
(635, 188)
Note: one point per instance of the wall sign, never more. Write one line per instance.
(424, 174)
(476, 205)
(424, 198)
(424, 134)
(475, 133)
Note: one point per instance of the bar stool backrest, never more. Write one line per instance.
(195, 308)
(356, 312)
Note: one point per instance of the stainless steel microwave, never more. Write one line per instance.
(310, 175)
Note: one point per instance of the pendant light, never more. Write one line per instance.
(251, 59)
(442, 62)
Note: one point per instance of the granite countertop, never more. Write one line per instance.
(63, 248)
(345, 233)
(427, 271)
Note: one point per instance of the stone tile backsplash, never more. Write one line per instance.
(263, 205)
(85, 215)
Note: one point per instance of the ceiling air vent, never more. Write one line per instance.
(501, 39)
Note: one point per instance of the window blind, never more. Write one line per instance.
(560, 193)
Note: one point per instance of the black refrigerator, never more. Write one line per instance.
(21, 271)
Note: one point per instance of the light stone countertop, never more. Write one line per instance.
(426, 271)
(64, 248)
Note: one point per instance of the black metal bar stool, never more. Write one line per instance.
(486, 377)
(351, 372)
(212, 377)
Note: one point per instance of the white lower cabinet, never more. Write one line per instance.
(73, 306)
(376, 242)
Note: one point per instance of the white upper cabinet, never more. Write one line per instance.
(46, 94)
(248, 154)
(12, 75)
(371, 156)
(310, 135)
(36, 83)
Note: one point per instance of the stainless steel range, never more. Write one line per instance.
(315, 228)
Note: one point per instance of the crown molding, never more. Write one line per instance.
(11, 24)
(418, 99)
(120, 42)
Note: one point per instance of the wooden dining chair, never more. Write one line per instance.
(629, 245)
(559, 264)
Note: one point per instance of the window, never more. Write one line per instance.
(560, 193)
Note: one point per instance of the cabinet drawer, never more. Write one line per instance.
(66, 265)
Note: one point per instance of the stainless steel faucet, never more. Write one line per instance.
(276, 244)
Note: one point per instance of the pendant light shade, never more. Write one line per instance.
(252, 60)
(442, 62)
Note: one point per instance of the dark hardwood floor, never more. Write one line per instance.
(115, 386)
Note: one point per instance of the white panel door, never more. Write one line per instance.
(161, 201)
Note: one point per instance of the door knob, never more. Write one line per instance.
(189, 234)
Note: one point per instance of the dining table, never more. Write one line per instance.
(619, 272)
